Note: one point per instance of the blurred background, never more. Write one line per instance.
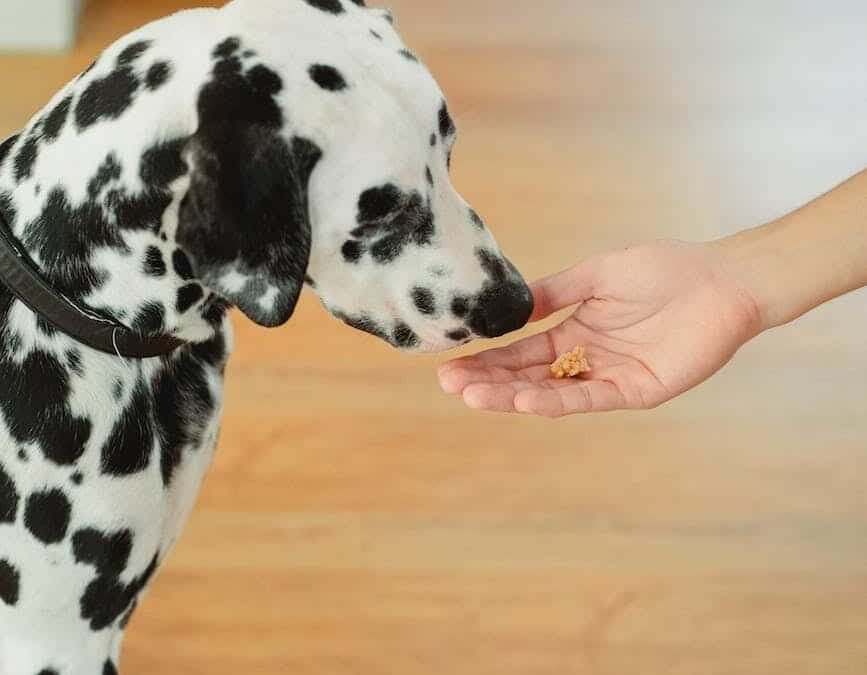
(357, 521)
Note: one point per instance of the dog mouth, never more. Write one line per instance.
(430, 325)
(401, 336)
(498, 310)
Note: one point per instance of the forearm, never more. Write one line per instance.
(806, 258)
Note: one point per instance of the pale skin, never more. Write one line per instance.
(658, 319)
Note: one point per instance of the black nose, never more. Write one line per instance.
(501, 309)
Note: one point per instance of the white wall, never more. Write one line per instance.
(38, 25)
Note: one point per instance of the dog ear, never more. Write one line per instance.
(244, 220)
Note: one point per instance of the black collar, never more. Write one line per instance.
(21, 276)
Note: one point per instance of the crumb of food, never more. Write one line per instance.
(570, 364)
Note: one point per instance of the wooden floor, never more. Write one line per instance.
(359, 522)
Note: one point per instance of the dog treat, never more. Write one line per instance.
(570, 364)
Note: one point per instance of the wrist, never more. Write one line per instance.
(755, 262)
(792, 265)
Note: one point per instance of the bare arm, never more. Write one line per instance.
(806, 258)
(658, 319)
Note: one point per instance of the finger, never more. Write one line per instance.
(502, 397)
(585, 396)
(455, 380)
(491, 397)
(495, 397)
(564, 289)
(531, 351)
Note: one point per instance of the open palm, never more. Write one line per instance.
(655, 320)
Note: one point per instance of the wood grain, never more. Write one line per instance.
(359, 522)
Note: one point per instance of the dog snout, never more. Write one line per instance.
(502, 309)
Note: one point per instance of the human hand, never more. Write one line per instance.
(655, 320)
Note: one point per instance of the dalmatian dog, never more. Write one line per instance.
(215, 159)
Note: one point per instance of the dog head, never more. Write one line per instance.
(322, 155)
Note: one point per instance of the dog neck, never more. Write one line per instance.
(106, 241)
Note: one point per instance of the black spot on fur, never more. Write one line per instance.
(460, 307)
(10, 580)
(106, 598)
(182, 265)
(109, 97)
(37, 390)
(133, 52)
(387, 15)
(351, 251)
(64, 238)
(360, 3)
(22, 455)
(6, 147)
(429, 176)
(109, 668)
(378, 202)
(8, 498)
(117, 390)
(108, 553)
(405, 53)
(55, 120)
(182, 403)
(48, 671)
(364, 324)
(188, 296)
(477, 220)
(106, 97)
(227, 48)
(447, 125)
(327, 77)
(162, 164)
(125, 619)
(77, 478)
(424, 301)
(375, 34)
(390, 220)
(154, 265)
(458, 335)
(150, 319)
(158, 74)
(139, 211)
(46, 516)
(214, 310)
(108, 171)
(213, 351)
(73, 361)
(264, 80)
(228, 67)
(129, 446)
(433, 140)
(330, 6)
(26, 158)
(493, 265)
(404, 336)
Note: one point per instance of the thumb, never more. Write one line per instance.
(569, 287)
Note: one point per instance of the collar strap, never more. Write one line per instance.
(20, 275)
